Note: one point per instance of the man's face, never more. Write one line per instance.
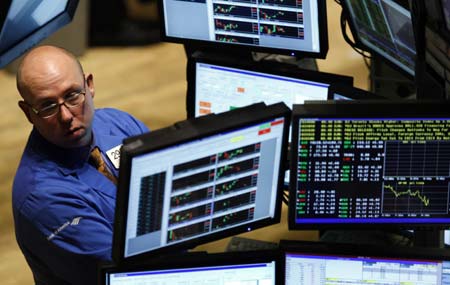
(70, 127)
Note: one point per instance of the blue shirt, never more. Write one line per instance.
(63, 207)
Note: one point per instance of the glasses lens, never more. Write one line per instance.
(49, 111)
(74, 99)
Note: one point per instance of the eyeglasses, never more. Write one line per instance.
(71, 100)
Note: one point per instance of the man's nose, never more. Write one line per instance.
(64, 113)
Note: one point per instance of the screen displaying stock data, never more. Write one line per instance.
(204, 186)
(306, 269)
(288, 27)
(371, 170)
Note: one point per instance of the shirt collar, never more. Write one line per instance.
(71, 160)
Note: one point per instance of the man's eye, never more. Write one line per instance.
(72, 96)
(46, 105)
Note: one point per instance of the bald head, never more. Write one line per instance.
(42, 63)
(47, 77)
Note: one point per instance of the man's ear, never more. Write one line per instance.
(90, 84)
(26, 110)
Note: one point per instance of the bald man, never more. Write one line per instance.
(63, 206)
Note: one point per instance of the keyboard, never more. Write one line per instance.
(245, 244)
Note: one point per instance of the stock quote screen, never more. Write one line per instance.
(213, 184)
(374, 170)
(285, 25)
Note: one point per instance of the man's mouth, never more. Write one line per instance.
(72, 131)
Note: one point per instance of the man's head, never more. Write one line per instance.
(50, 75)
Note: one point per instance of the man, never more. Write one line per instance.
(63, 205)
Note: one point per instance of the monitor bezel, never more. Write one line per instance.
(189, 260)
(360, 44)
(360, 109)
(197, 44)
(37, 35)
(353, 93)
(269, 67)
(194, 129)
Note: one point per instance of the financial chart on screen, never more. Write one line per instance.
(384, 27)
(306, 269)
(372, 170)
(204, 186)
(220, 88)
(287, 26)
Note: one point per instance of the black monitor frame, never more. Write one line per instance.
(193, 260)
(185, 132)
(352, 93)
(197, 44)
(360, 43)
(433, 41)
(362, 109)
(35, 36)
(268, 67)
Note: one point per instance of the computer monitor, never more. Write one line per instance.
(201, 179)
(294, 27)
(370, 164)
(217, 85)
(384, 27)
(220, 268)
(23, 24)
(331, 263)
(344, 92)
(431, 19)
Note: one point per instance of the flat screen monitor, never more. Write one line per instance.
(216, 86)
(319, 263)
(385, 28)
(201, 179)
(219, 268)
(23, 24)
(371, 164)
(295, 27)
(436, 45)
(343, 92)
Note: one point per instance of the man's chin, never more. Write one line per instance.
(77, 139)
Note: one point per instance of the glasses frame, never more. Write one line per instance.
(58, 105)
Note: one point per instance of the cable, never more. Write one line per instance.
(343, 22)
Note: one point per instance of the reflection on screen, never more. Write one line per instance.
(203, 186)
(305, 269)
(26, 16)
(386, 28)
(219, 89)
(446, 11)
(261, 273)
(373, 170)
(292, 25)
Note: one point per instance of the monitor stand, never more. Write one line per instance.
(302, 63)
(368, 237)
(429, 238)
(389, 82)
